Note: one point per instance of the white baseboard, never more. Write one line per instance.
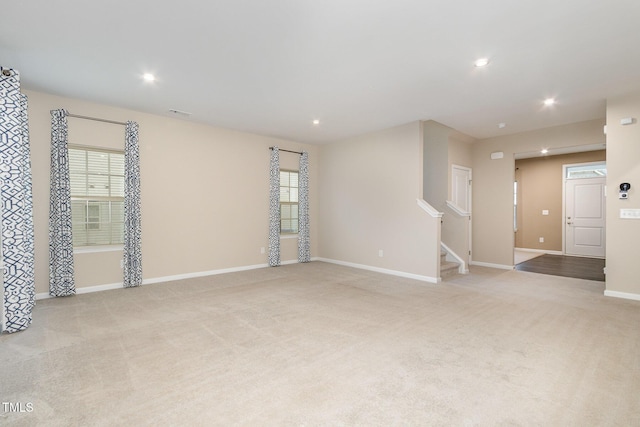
(85, 290)
(624, 295)
(99, 288)
(201, 274)
(539, 251)
(491, 265)
(383, 270)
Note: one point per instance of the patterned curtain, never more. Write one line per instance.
(61, 280)
(132, 252)
(304, 252)
(18, 292)
(274, 208)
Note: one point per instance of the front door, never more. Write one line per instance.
(585, 217)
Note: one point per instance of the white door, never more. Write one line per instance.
(461, 187)
(461, 194)
(585, 217)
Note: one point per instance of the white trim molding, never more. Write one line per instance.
(540, 251)
(457, 209)
(86, 290)
(624, 295)
(383, 270)
(491, 265)
(96, 249)
(462, 268)
(202, 274)
(111, 286)
(289, 236)
(214, 272)
(429, 209)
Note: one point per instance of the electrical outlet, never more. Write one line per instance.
(262, 250)
(380, 253)
(542, 240)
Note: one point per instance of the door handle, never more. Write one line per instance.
(569, 222)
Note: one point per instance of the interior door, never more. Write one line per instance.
(461, 195)
(585, 217)
(461, 187)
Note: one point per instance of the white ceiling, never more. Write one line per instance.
(272, 66)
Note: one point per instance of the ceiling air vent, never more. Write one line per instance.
(179, 112)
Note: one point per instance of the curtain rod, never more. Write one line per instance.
(288, 151)
(77, 116)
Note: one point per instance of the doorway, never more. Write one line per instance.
(461, 187)
(540, 214)
(461, 191)
(584, 209)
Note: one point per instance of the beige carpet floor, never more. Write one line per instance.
(324, 345)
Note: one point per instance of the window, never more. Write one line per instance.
(288, 202)
(97, 196)
(515, 206)
(592, 170)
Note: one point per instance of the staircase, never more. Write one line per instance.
(447, 268)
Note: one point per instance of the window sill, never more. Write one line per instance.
(289, 236)
(95, 249)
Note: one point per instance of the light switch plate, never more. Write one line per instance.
(545, 212)
(630, 213)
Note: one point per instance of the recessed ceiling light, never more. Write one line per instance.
(549, 101)
(148, 77)
(502, 125)
(316, 122)
(544, 151)
(482, 62)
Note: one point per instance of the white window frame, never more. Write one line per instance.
(111, 245)
(289, 233)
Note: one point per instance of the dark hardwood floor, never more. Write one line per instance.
(567, 266)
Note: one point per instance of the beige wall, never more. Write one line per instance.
(540, 184)
(368, 192)
(204, 192)
(443, 148)
(460, 154)
(436, 161)
(623, 165)
(493, 237)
